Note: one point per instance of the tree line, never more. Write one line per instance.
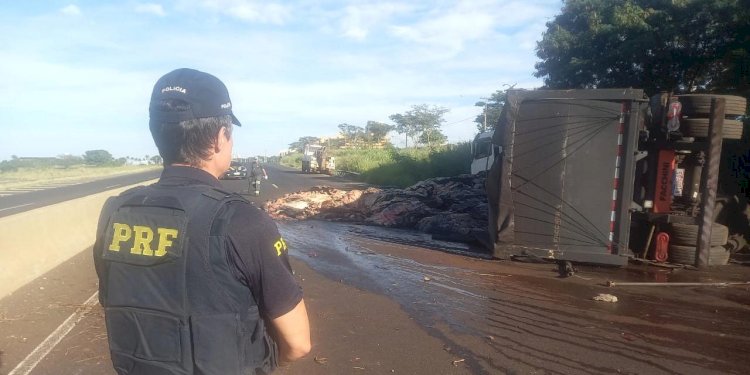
(421, 124)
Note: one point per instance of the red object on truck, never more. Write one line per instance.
(664, 173)
(661, 247)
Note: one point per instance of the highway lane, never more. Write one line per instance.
(281, 180)
(13, 204)
(284, 180)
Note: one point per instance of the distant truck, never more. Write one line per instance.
(316, 160)
(483, 152)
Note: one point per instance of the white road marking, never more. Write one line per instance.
(53, 185)
(45, 186)
(10, 208)
(29, 363)
(274, 185)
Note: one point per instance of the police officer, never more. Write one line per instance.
(194, 279)
(256, 173)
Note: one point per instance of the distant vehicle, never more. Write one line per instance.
(316, 160)
(236, 171)
(483, 153)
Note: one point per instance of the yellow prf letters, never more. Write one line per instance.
(279, 246)
(142, 237)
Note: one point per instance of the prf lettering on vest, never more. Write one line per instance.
(279, 246)
(142, 239)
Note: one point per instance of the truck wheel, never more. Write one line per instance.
(700, 104)
(698, 127)
(718, 256)
(687, 234)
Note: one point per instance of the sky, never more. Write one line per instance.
(77, 75)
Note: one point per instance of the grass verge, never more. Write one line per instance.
(397, 167)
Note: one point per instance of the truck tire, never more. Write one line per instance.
(698, 127)
(718, 255)
(700, 104)
(687, 234)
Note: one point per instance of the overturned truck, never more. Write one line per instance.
(597, 176)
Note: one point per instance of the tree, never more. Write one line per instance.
(98, 157)
(419, 120)
(351, 133)
(493, 107)
(67, 160)
(299, 146)
(433, 137)
(376, 132)
(679, 45)
(403, 126)
(156, 160)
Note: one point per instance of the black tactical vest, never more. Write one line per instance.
(171, 304)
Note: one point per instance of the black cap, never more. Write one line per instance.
(206, 95)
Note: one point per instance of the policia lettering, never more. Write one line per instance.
(142, 239)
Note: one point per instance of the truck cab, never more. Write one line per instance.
(483, 152)
(309, 161)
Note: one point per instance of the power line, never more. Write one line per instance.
(456, 122)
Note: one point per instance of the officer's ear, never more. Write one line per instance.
(223, 138)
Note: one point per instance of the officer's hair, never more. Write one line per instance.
(190, 141)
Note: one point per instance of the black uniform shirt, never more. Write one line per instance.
(257, 254)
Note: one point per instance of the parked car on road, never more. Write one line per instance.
(236, 171)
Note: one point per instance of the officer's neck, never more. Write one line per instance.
(205, 166)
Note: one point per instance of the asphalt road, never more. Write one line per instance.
(385, 301)
(24, 201)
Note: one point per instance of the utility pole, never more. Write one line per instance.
(484, 101)
(484, 127)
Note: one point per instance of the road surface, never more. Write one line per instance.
(18, 200)
(388, 301)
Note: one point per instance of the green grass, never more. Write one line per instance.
(397, 167)
(23, 177)
(293, 160)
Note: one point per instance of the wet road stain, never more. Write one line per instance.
(505, 317)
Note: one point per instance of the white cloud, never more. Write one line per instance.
(71, 10)
(359, 19)
(150, 8)
(250, 10)
(445, 32)
(449, 28)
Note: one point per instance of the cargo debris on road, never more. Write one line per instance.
(448, 208)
